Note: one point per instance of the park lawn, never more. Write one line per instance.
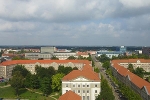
(2, 84)
(8, 93)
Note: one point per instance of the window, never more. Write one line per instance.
(88, 98)
(66, 85)
(83, 85)
(66, 90)
(83, 91)
(78, 85)
(83, 97)
(95, 91)
(73, 85)
(87, 85)
(95, 85)
(78, 91)
(87, 91)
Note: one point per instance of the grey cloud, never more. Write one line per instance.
(75, 22)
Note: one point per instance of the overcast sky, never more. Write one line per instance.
(75, 22)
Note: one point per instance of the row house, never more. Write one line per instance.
(136, 83)
(141, 63)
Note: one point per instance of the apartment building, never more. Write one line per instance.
(7, 66)
(136, 83)
(141, 63)
(85, 83)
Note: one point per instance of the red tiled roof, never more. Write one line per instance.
(6, 63)
(70, 96)
(82, 53)
(87, 72)
(139, 82)
(131, 61)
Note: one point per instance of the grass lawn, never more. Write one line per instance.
(8, 93)
(2, 84)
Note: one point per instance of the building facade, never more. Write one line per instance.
(110, 54)
(141, 63)
(48, 53)
(136, 83)
(85, 83)
(7, 66)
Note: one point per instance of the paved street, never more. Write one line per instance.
(99, 65)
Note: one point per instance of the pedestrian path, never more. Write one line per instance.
(5, 86)
(42, 93)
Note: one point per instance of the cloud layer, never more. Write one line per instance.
(75, 22)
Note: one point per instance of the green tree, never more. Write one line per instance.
(56, 81)
(96, 70)
(140, 72)
(128, 92)
(71, 58)
(27, 82)
(17, 81)
(45, 86)
(61, 69)
(148, 79)
(80, 57)
(106, 64)
(35, 83)
(64, 70)
(130, 68)
(103, 58)
(44, 72)
(106, 92)
(54, 58)
(75, 68)
(22, 70)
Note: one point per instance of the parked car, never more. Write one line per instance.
(117, 91)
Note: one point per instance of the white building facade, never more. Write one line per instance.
(85, 83)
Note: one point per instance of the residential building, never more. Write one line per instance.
(85, 83)
(69, 95)
(136, 83)
(7, 66)
(141, 63)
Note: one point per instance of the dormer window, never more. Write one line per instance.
(138, 61)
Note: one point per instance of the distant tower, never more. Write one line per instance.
(123, 49)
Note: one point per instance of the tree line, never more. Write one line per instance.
(106, 92)
(47, 80)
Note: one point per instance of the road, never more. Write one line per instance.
(99, 65)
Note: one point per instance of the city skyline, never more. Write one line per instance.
(75, 22)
